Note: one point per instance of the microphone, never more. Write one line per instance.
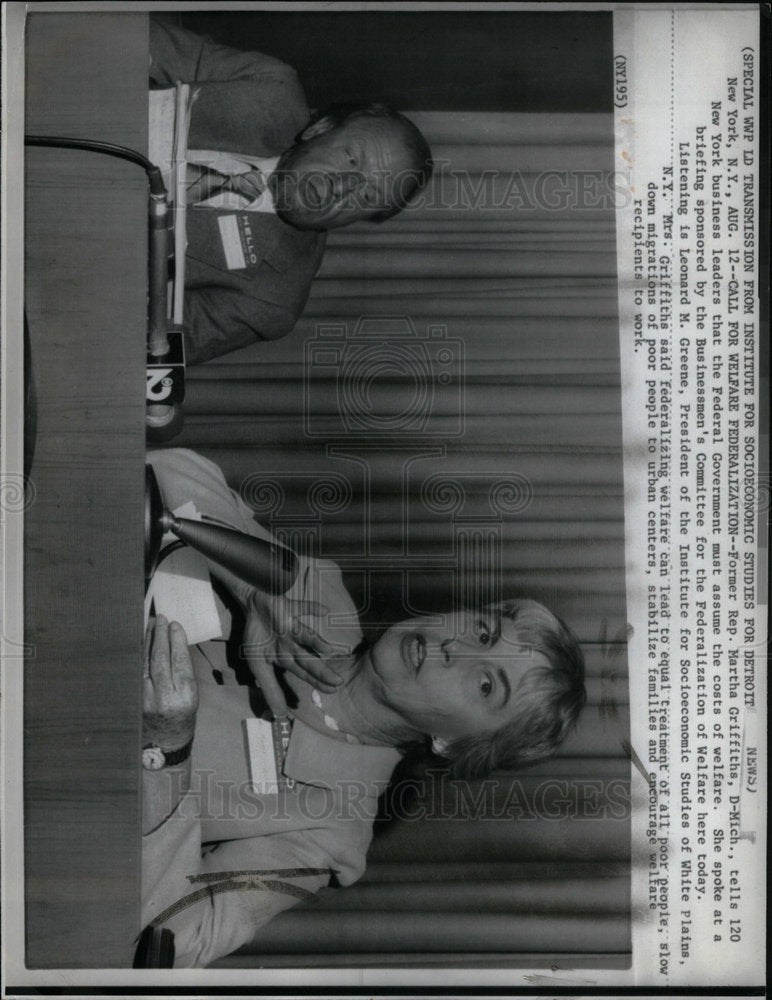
(165, 389)
(265, 565)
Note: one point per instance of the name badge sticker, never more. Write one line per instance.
(238, 242)
(267, 744)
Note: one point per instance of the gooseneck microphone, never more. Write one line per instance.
(165, 390)
(266, 565)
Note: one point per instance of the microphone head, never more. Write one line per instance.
(266, 565)
(162, 422)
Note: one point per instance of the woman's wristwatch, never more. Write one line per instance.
(155, 759)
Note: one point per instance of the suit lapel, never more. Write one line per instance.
(224, 238)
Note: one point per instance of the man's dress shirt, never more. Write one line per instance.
(231, 164)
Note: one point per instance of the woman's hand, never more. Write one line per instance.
(274, 636)
(170, 696)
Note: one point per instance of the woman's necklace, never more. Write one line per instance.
(325, 707)
(322, 712)
(329, 721)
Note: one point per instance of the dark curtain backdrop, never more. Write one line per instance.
(493, 60)
(445, 423)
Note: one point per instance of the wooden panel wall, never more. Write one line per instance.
(86, 286)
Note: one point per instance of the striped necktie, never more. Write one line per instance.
(204, 182)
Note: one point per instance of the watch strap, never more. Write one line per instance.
(173, 757)
(154, 758)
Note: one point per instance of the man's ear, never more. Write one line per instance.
(319, 127)
(439, 746)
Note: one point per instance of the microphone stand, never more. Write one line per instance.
(165, 350)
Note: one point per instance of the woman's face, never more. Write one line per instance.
(451, 675)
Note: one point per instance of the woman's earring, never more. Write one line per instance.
(439, 746)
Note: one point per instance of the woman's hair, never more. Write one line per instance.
(548, 699)
(416, 146)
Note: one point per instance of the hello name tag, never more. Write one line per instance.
(238, 243)
(267, 744)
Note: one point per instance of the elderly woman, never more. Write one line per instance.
(246, 811)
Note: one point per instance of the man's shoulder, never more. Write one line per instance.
(246, 102)
(207, 58)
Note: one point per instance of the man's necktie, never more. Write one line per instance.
(204, 182)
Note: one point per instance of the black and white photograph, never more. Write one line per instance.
(339, 451)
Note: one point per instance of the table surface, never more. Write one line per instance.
(85, 299)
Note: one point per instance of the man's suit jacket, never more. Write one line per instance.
(252, 104)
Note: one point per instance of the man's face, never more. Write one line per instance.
(342, 176)
(453, 679)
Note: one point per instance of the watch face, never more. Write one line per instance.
(153, 758)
